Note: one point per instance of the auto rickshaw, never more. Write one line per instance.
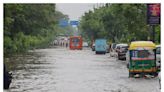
(142, 59)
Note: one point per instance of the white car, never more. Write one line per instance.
(127, 58)
(158, 56)
(159, 76)
(85, 44)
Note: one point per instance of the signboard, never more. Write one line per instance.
(153, 14)
(63, 23)
(74, 23)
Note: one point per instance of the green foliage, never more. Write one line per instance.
(29, 26)
(117, 23)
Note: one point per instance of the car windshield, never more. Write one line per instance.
(117, 47)
(158, 50)
(125, 47)
(114, 45)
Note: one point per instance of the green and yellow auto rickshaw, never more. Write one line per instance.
(142, 59)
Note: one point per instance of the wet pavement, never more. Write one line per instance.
(64, 70)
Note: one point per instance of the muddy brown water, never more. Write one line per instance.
(64, 70)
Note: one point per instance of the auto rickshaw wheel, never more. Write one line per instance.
(155, 74)
(131, 75)
(142, 75)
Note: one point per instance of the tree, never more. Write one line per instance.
(117, 23)
(28, 26)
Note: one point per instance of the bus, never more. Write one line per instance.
(75, 42)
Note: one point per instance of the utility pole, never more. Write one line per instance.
(153, 17)
(153, 33)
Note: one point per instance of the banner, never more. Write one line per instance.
(153, 14)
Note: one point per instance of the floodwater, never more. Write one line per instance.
(63, 70)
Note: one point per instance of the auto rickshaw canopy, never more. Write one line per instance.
(142, 44)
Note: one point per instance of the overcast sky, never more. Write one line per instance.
(74, 11)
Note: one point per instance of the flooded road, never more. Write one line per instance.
(64, 70)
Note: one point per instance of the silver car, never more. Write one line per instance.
(120, 51)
